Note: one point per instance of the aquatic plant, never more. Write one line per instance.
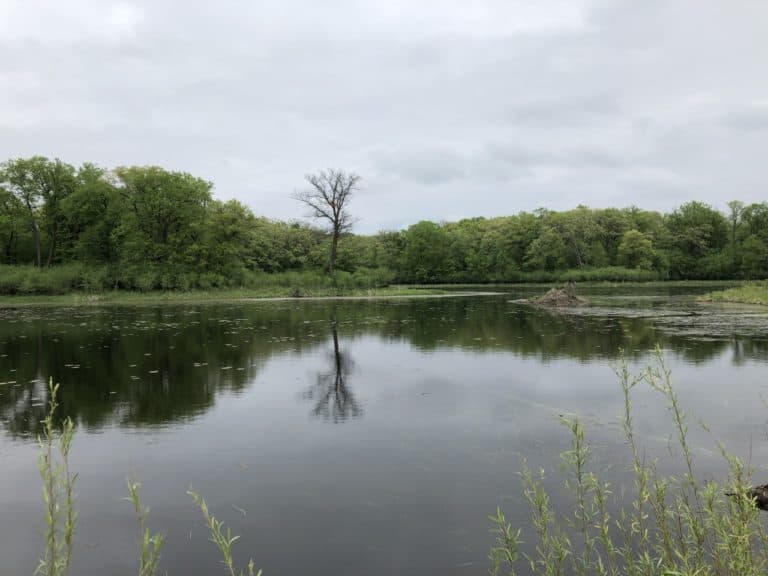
(223, 539)
(671, 526)
(754, 293)
(61, 515)
(58, 491)
(149, 544)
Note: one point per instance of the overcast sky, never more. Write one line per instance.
(446, 108)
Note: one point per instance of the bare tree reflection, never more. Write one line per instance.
(332, 398)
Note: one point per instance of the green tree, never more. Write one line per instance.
(696, 231)
(736, 208)
(611, 224)
(40, 185)
(635, 250)
(11, 224)
(425, 253)
(546, 252)
(754, 257)
(91, 213)
(226, 247)
(164, 215)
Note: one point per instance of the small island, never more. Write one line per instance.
(556, 298)
(756, 293)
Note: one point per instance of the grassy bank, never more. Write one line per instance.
(70, 278)
(201, 296)
(756, 293)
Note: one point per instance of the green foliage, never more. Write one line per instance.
(147, 229)
(61, 515)
(222, 538)
(426, 256)
(756, 293)
(58, 491)
(163, 216)
(635, 250)
(149, 544)
(671, 526)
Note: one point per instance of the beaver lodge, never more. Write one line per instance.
(556, 298)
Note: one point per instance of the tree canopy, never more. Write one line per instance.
(144, 227)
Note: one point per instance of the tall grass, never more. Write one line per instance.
(67, 278)
(670, 526)
(61, 514)
(753, 293)
(58, 492)
(150, 544)
(223, 539)
(605, 274)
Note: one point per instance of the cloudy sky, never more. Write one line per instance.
(446, 108)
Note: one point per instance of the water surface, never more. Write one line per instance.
(350, 437)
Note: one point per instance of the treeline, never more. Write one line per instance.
(145, 228)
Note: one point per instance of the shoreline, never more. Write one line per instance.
(283, 294)
(173, 298)
(755, 294)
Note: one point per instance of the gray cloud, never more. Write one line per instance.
(447, 108)
(753, 117)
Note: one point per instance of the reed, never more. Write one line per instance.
(669, 526)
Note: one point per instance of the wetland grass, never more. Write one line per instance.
(657, 525)
(754, 293)
(670, 526)
(61, 514)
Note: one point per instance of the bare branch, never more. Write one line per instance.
(327, 197)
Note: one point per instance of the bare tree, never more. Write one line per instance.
(327, 198)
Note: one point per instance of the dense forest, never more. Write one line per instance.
(146, 228)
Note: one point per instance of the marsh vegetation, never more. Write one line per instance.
(92, 229)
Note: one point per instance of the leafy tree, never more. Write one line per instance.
(164, 214)
(328, 198)
(611, 224)
(40, 185)
(226, 245)
(91, 213)
(755, 220)
(754, 257)
(11, 224)
(546, 252)
(635, 250)
(736, 208)
(425, 253)
(696, 231)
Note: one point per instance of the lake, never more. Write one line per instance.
(353, 437)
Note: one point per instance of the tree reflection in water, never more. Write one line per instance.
(333, 400)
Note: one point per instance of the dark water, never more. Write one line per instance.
(356, 437)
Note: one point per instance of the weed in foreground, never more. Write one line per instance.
(670, 527)
(61, 515)
(58, 492)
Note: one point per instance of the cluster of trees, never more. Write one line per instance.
(146, 227)
(694, 241)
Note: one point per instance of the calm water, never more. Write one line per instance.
(357, 437)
